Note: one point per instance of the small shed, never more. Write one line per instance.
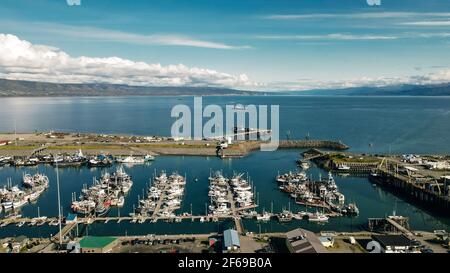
(327, 241)
(231, 240)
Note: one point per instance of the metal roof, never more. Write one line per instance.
(304, 241)
(231, 238)
(96, 242)
(392, 240)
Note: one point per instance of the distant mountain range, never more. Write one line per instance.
(394, 90)
(13, 88)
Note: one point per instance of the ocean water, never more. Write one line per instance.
(399, 124)
(367, 124)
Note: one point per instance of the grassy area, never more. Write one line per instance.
(174, 145)
(341, 158)
(18, 148)
(85, 147)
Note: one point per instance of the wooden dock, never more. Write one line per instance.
(399, 227)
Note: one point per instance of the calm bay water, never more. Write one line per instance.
(399, 124)
(407, 124)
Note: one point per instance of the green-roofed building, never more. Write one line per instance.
(94, 244)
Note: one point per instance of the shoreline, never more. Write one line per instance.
(28, 144)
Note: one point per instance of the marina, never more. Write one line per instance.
(12, 197)
(322, 193)
(65, 159)
(273, 210)
(101, 195)
(196, 198)
(164, 197)
(241, 127)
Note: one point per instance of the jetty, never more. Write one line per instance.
(242, 142)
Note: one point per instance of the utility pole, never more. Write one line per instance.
(15, 132)
(59, 203)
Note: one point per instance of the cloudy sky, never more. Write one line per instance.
(246, 44)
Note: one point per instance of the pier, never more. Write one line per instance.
(388, 177)
(390, 224)
(39, 150)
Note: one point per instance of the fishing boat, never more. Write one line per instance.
(121, 201)
(318, 217)
(352, 209)
(100, 161)
(33, 181)
(84, 207)
(102, 208)
(343, 167)
(21, 223)
(285, 216)
(24, 163)
(264, 217)
(131, 160)
(76, 160)
(304, 164)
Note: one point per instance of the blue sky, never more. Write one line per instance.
(257, 44)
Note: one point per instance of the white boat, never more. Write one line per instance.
(7, 205)
(304, 165)
(131, 160)
(37, 181)
(318, 218)
(343, 167)
(121, 201)
(265, 217)
(301, 215)
(148, 158)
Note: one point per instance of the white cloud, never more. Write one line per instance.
(442, 76)
(360, 15)
(428, 23)
(108, 35)
(355, 37)
(333, 36)
(22, 60)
